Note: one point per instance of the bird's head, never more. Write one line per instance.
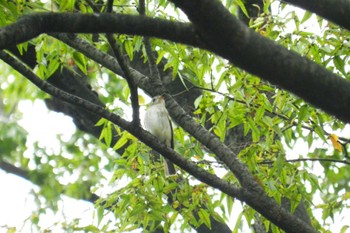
(159, 99)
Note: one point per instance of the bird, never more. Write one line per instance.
(158, 123)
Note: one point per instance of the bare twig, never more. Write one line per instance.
(309, 159)
(155, 76)
(127, 74)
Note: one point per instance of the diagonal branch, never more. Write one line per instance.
(104, 59)
(140, 133)
(184, 120)
(231, 39)
(252, 190)
(219, 29)
(134, 97)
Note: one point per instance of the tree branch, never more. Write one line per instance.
(155, 76)
(230, 38)
(104, 59)
(134, 97)
(140, 133)
(335, 11)
(221, 33)
(24, 29)
(262, 203)
(9, 168)
(310, 159)
(214, 144)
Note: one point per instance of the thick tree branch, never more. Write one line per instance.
(335, 11)
(33, 25)
(104, 59)
(230, 38)
(253, 194)
(221, 33)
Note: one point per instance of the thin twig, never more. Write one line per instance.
(155, 75)
(127, 74)
(309, 159)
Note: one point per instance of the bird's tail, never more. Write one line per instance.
(169, 168)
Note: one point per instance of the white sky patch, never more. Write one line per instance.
(44, 125)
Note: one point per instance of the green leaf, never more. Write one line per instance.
(221, 79)
(344, 229)
(310, 139)
(303, 112)
(100, 212)
(106, 134)
(241, 4)
(80, 61)
(122, 141)
(255, 129)
(67, 5)
(229, 203)
(314, 180)
(260, 112)
(340, 65)
(173, 217)
(54, 64)
(320, 132)
(239, 223)
(11, 230)
(307, 16)
(101, 122)
(128, 45)
(204, 217)
(279, 163)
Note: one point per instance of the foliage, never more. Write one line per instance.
(275, 121)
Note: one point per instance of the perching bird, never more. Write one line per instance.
(157, 122)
